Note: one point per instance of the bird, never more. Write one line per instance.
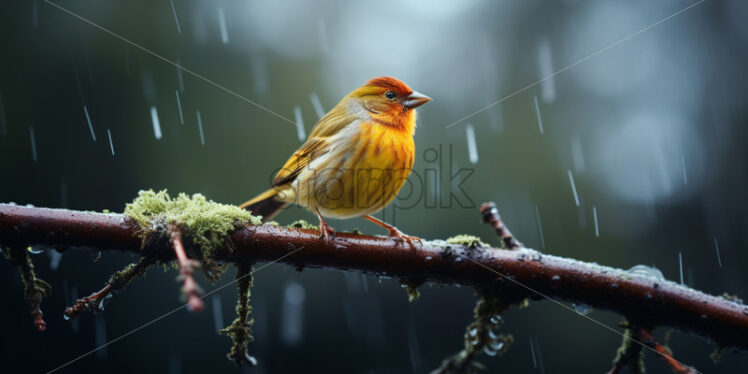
(355, 160)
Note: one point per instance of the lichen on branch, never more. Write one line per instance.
(34, 289)
(205, 225)
(240, 331)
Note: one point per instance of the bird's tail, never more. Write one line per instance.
(265, 204)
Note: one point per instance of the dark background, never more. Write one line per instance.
(652, 129)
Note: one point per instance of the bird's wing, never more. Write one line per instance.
(309, 151)
(316, 145)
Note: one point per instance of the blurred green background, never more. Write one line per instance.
(651, 131)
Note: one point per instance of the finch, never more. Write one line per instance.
(355, 160)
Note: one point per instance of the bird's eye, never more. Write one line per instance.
(390, 95)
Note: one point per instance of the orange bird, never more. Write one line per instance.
(354, 161)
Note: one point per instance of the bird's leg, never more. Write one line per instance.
(328, 233)
(394, 233)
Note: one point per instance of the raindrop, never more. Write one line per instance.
(573, 187)
(594, 216)
(156, 123)
(317, 104)
(458, 259)
(66, 317)
(495, 319)
(88, 119)
(180, 78)
(540, 227)
(179, 106)
(473, 332)
(683, 166)
(472, 148)
(537, 112)
(497, 346)
(646, 270)
(176, 19)
(292, 315)
(200, 127)
(490, 352)
(716, 247)
(217, 312)
(545, 63)
(35, 251)
(680, 264)
(55, 257)
(111, 145)
(250, 359)
(102, 303)
(582, 308)
(33, 142)
(556, 278)
(222, 25)
(299, 123)
(428, 258)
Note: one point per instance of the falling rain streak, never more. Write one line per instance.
(292, 317)
(577, 155)
(179, 106)
(680, 265)
(540, 227)
(545, 63)
(299, 123)
(180, 78)
(111, 146)
(716, 248)
(317, 104)
(217, 312)
(33, 142)
(88, 119)
(176, 19)
(683, 167)
(532, 354)
(222, 25)
(200, 127)
(100, 327)
(472, 147)
(594, 217)
(573, 187)
(156, 123)
(537, 112)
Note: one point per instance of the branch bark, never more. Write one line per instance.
(648, 301)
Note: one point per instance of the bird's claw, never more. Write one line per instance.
(401, 238)
(327, 232)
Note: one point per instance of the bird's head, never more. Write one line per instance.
(389, 99)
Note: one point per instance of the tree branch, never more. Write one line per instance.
(641, 299)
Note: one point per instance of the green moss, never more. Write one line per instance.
(240, 331)
(411, 287)
(467, 240)
(302, 224)
(204, 224)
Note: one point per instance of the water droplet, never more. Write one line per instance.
(646, 271)
(614, 285)
(250, 359)
(582, 309)
(496, 319)
(492, 335)
(473, 332)
(35, 251)
(102, 303)
(29, 205)
(487, 350)
(496, 346)
(458, 259)
(428, 258)
(12, 203)
(555, 278)
(474, 342)
(95, 256)
(67, 317)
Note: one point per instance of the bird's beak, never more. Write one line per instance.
(415, 99)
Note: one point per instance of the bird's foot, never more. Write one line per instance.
(327, 232)
(400, 238)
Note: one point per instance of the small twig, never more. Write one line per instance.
(491, 216)
(187, 266)
(630, 354)
(678, 368)
(94, 302)
(240, 330)
(35, 289)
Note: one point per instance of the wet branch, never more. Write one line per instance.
(641, 299)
